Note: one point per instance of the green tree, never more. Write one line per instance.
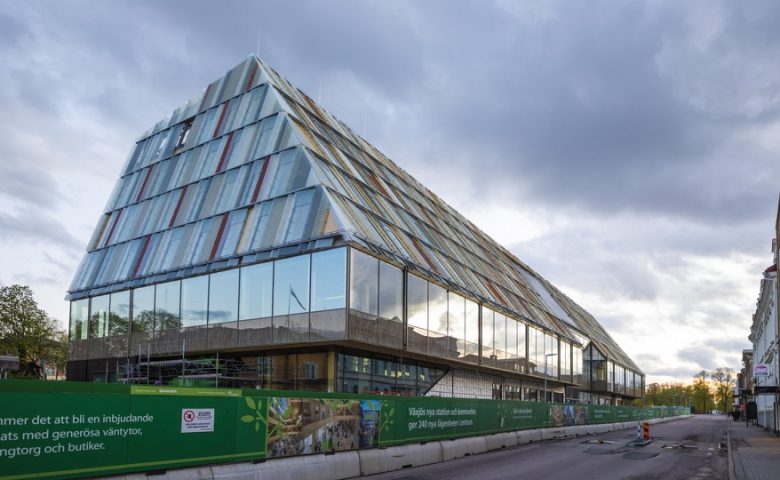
(702, 393)
(57, 354)
(724, 380)
(25, 329)
(657, 394)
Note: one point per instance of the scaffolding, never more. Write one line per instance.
(185, 371)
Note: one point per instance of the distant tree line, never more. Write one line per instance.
(28, 332)
(709, 391)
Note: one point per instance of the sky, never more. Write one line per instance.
(627, 151)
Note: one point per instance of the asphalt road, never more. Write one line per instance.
(578, 458)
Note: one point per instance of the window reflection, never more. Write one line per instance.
(98, 318)
(364, 282)
(291, 285)
(472, 332)
(437, 309)
(457, 325)
(119, 318)
(142, 323)
(79, 319)
(328, 279)
(499, 338)
(194, 301)
(223, 297)
(256, 289)
(488, 354)
(167, 306)
(391, 291)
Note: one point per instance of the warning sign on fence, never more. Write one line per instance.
(197, 420)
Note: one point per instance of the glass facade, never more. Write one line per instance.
(373, 374)
(220, 234)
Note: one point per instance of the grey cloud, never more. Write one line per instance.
(35, 226)
(589, 112)
(12, 32)
(704, 357)
(734, 345)
(648, 358)
(682, 373)
(27, 183)
(48, 280)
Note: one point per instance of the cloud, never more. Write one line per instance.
(625, 151)
(36, 227)
(27, 183)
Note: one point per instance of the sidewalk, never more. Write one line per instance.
(755, 452)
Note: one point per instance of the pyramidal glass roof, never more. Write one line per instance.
(252, 167)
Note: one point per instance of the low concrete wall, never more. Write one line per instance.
(309, 467)
(528, 436)
(576, 431)
(600, 428)
(378, 460)
(555, 432)
(451, 449)
(501, 440)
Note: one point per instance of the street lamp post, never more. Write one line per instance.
(545, 372)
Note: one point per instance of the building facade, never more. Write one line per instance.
(255, 240)
(763, 336)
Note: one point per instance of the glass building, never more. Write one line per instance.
(253, 239)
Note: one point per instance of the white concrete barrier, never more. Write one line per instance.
(576, 430)
(307, 467)
(461, 447)
(200, 473)
(551, 433)
(378, 460)
(501, 440)
(528, 436)
(600, 428)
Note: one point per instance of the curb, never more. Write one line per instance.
(732, 476)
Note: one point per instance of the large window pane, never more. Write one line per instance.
(487, 336)
(143, 313)
(79, 319)
(534, 365)
(540, 351)
(364, 282)
(417, 302)
(167, 306)
(98, 317)
(328, 279)
(391, 292)
(223, 297)
(456, 307)
(291, 285)
(521, 345)
(120, 313)
(499, 334)
(511, 339)
(118, 324)
(472, 332)
(551, 347)
(472, 322)
(194, 301)
(417, 314)
(565, 353)
(437, 309)
(457, 316)
(256, 291)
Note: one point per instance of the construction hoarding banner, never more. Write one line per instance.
(73, 430)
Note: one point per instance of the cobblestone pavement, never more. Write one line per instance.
(755, 452)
